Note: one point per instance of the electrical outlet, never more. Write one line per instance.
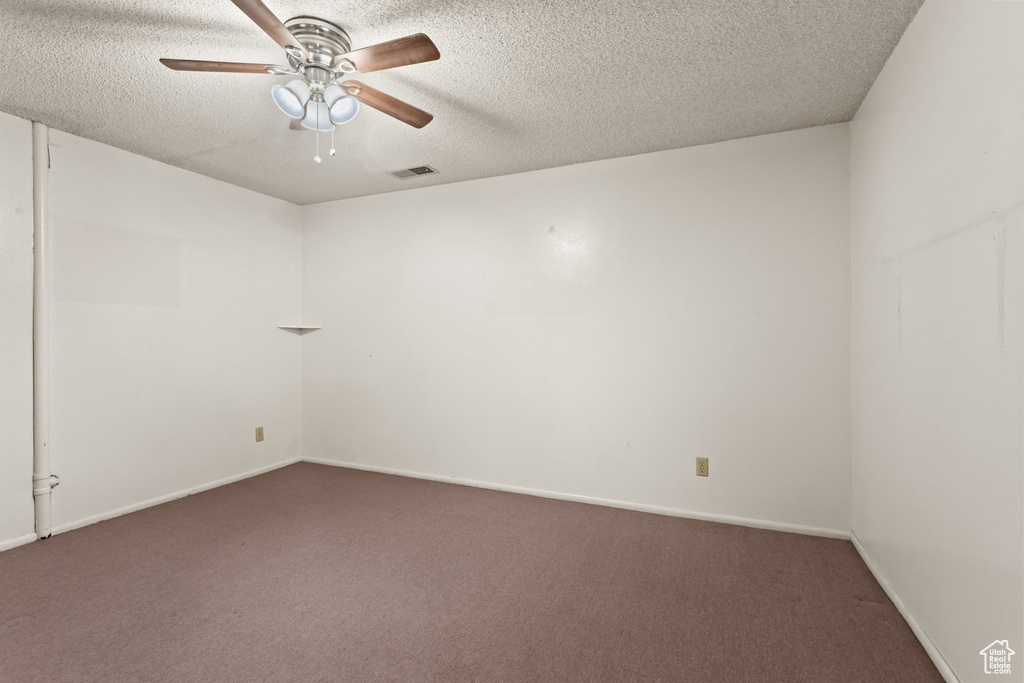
(702, 467)
(259, 433)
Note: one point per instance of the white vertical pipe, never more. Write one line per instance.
(43, 480)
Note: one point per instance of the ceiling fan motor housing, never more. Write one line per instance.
(323, 40)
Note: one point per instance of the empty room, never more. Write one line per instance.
(538, 341)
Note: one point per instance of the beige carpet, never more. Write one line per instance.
(314, 573)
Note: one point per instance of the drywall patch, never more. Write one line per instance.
(1001, 220)
(99, 264)
(999, 215)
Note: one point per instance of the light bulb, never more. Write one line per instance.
(292, 98)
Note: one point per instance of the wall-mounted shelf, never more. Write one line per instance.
(299, 329)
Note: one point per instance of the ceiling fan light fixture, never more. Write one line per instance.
(332, 93)
(344, 109)
(318, 117)
(319, 56)
(292, 98)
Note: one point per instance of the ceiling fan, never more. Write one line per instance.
(321, 57)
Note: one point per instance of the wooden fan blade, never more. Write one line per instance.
(228, 67)
(271, 25)
(392, 106)
(412, 49)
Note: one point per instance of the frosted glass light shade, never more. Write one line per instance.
(292, 98)
(344, 109)
(332, 94)
(315, 110)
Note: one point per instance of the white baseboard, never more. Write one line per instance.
(15, 542)
(929, 646)
(61, 528)
(607, 502)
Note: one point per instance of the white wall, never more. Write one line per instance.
(938, 302)
(167, 287)
(590, 330)
(16, 521)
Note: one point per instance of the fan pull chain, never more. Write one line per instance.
(332, 141)
(317, 157)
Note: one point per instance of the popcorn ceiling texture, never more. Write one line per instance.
(519, 86)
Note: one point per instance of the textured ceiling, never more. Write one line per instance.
(520, 85)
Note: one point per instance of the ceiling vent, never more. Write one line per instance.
(413, 172)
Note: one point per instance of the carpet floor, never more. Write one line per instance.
(315, 573)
